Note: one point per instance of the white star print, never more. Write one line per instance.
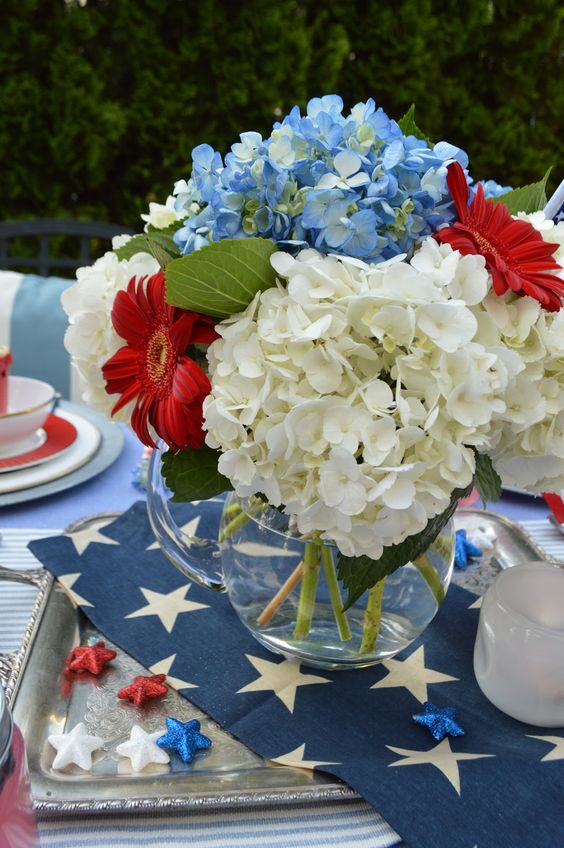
(295, 759)
(412, 675)
(75, 747)
(67, 581)
(82, 538)
(477, 603)
(282, 678)
(441, 756)
(163, 667)
(211, 500)
(141, 748)
(166, 607)
(188, 530)
(254, 549)
(557, 752)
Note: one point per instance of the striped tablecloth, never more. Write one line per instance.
(338, 825)
(351, 823)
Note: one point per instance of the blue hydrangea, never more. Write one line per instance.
(493, 189)
(351, 184)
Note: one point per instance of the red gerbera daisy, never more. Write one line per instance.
(153, 368)
(517, 256)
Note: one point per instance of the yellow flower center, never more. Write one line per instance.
(159, 351)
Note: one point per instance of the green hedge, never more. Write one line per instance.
(100, 105)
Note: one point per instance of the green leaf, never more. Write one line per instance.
(222, 278)
(486, 480)
(408, 126)
(192, 474)
(529, 198)
(361, 573)
(158, 243)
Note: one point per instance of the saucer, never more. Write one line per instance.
(47, 443)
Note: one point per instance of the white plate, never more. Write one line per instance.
(82, 449)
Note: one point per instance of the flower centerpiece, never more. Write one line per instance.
(380, 334)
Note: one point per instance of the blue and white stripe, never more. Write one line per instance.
(348, 824)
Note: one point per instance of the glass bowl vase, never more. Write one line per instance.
(285, 588)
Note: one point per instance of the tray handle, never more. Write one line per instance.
(11, 661)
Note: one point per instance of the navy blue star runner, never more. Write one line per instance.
(500, 784)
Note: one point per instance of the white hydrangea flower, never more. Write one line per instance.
(90, 337)
(353, 394)
(162, 215)
(528, 440)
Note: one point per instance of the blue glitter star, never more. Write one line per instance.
(464, 550)
(184, 738)
(439, 721)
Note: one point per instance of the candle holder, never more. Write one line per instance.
(519, 651)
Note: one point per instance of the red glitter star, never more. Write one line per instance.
(144, 688)
(92, 658)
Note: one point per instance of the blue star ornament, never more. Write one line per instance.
(184, 737)
(440, 722)
(464, 550)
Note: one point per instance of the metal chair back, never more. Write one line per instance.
(44, 229)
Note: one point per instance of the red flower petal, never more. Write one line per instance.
(128, 318)
(517, 256)
(153, 369)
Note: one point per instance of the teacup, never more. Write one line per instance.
(29, 403)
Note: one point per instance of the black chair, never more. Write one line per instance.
(44, 229)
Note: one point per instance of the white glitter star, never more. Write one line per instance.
(74, 747)
(141, 748)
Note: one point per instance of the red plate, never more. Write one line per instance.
(60, 436)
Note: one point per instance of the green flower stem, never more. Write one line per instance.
(372, 618)
(335, 593)
(232, 510)
(240, 520)
(308, 589)
(430, 575)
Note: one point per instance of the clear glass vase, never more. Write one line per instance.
(284, 588)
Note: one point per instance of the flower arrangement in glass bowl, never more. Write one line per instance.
(380, 336)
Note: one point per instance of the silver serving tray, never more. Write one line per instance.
(45, 701)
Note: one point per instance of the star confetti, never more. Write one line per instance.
(142, 689)
(440, 722)
(464, 550)
(75, 747)
(92, 658)
(184, 738)
(483, 539)
(142, 750)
